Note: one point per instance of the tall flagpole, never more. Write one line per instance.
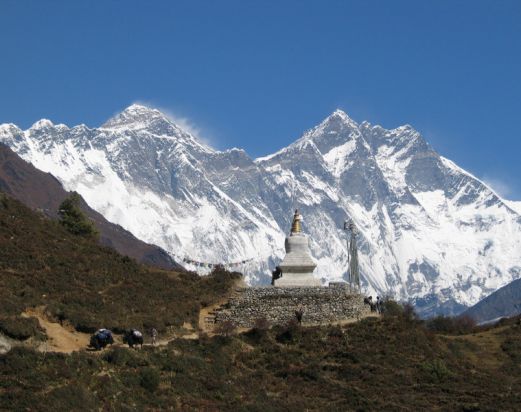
(352, 256)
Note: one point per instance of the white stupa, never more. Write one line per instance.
(298, 265)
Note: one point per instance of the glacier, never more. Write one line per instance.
(430, 232)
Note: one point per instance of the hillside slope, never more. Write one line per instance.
(90, 286)
(41, 191)
(504, 302)
(389, 364)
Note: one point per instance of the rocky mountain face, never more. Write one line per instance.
(503, 303)
(429, 231)
(43, 192)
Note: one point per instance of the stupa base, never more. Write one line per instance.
(297, 280)
(319, 305)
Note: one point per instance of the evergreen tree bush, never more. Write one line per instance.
(73, 218)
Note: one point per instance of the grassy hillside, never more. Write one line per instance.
(42, 191)
(88, 285)
(377, 364)
(390, 363)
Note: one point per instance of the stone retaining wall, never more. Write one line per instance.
(321, 305)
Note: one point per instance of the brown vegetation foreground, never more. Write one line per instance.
(87, 285)
(389, 363)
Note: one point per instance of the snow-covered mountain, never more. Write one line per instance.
(429, 230)
(514, 205)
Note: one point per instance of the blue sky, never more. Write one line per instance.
(256, 74)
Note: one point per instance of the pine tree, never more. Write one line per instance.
(73, 218)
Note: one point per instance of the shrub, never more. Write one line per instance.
(310, 372)
(124, 356)
(73, 218)
(261, 325)
(20, 359)
(72, 397)
(226, 328)
(404, 312)
(451, 325)
(18, 327)
(289, 333)
(512, 347)
(149, 379)
(203, 338)
(436, 370)
(336, 334)
(259, 331)
(409, 314)
(90, 286)
(392, 308)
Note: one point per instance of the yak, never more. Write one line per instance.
(133, 337)
(101, 338)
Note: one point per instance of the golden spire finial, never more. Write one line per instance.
(295, 226)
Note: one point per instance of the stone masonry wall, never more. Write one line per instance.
(321, 305)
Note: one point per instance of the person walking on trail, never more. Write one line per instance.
(276, 274)
(369, 301)
(153, 335)
(299, 313)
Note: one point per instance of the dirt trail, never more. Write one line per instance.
(206, 313)
(65, 339)
(59, 338)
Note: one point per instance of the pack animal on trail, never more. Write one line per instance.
(101, 338)
(372, 305)
(133, 337)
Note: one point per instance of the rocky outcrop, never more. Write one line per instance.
(5, 344)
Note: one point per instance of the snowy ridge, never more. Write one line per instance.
(429, 230)
(514, 206)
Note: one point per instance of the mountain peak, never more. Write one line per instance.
(404, 128)
(340, 113)
(339, 118)
(9, 128)
(140, 118)
(140, 109)
(42, 124)
(136, 116)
